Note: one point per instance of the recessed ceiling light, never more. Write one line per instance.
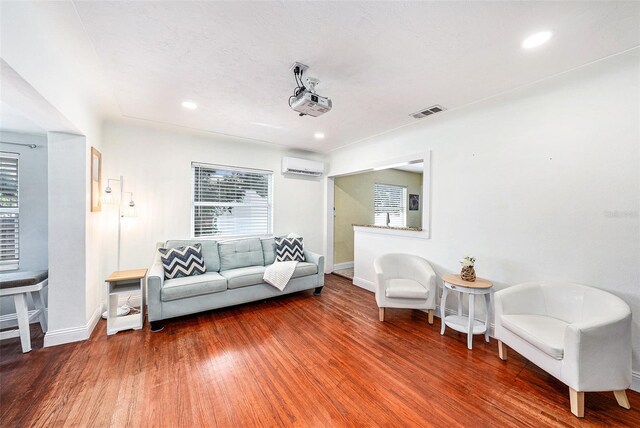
(536, 39)
(189, 105)
(319, 135)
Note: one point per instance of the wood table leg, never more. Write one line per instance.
(502, 350)
(22, 314)
(443, 309)
(621, 398)
(472, 307)
(577, 402)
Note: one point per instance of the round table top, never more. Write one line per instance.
(456, 280)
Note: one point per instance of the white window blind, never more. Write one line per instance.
(9, 212)
(230, 201)
(390, 199)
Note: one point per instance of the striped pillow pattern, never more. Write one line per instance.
(182, 261)
(289, 249)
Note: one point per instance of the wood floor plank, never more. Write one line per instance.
(298, 360)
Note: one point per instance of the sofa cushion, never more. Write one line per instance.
(289, 249)
(189, 286)
(209, 251)
(305, 269)
(543, 332)
(268, 250)
(244, 276)
(182, 261)
(241, 253)
(405, 289)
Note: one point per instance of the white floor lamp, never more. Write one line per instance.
(128, 210)
(124, 210)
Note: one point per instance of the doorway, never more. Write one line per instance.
(384, 197)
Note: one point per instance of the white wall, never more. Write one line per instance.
(45, 43)
(156, 164)
(542, 183)
(33, 203)
(67, 188)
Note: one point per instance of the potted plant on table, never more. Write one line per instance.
(468, 272)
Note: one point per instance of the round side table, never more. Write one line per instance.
(459, 322)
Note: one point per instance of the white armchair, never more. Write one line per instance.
(405, 281)
(578, 334)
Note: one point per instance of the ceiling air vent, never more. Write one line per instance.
(426, 112)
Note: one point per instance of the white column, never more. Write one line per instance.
(67, 192)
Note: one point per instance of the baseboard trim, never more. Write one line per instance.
(345, 265)
(73, 334)
(363, 283)
(93, 321)
(635, 381)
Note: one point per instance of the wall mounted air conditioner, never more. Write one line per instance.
(302, 167)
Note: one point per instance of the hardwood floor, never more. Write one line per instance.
(298, 360)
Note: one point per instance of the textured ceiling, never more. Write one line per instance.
(377, 61)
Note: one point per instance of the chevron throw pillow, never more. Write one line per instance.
(182, 261)
(289, 250)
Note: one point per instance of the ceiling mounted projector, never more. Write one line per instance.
(305, 100)
(308, 103)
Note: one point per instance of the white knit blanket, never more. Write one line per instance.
(279, 274)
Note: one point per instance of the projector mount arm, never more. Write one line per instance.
(312, 82)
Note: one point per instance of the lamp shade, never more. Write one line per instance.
(129, 210)
(107, 196)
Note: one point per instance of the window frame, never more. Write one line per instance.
(13, 264)
(194, 204)
(404, 206)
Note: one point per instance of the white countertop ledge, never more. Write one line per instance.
(377, 230)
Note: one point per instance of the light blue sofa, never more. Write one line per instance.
(234, 276)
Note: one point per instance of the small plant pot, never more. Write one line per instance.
(468, 273)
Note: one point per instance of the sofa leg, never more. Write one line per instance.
(577, 402)
(431, 316)
(502, 350)
(381, 314)
(318, 291)
(621, 398)
(156, 326)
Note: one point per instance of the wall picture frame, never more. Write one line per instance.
(414, 202)
(96, 180)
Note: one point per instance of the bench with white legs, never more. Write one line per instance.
(18, 284)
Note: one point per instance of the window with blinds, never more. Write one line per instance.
(390, 199)
(231, 201)
(9, 212)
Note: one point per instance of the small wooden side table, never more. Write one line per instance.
(119, 283)
(459, 322)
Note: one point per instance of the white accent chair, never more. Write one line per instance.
(580, 335)
(405, 281)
